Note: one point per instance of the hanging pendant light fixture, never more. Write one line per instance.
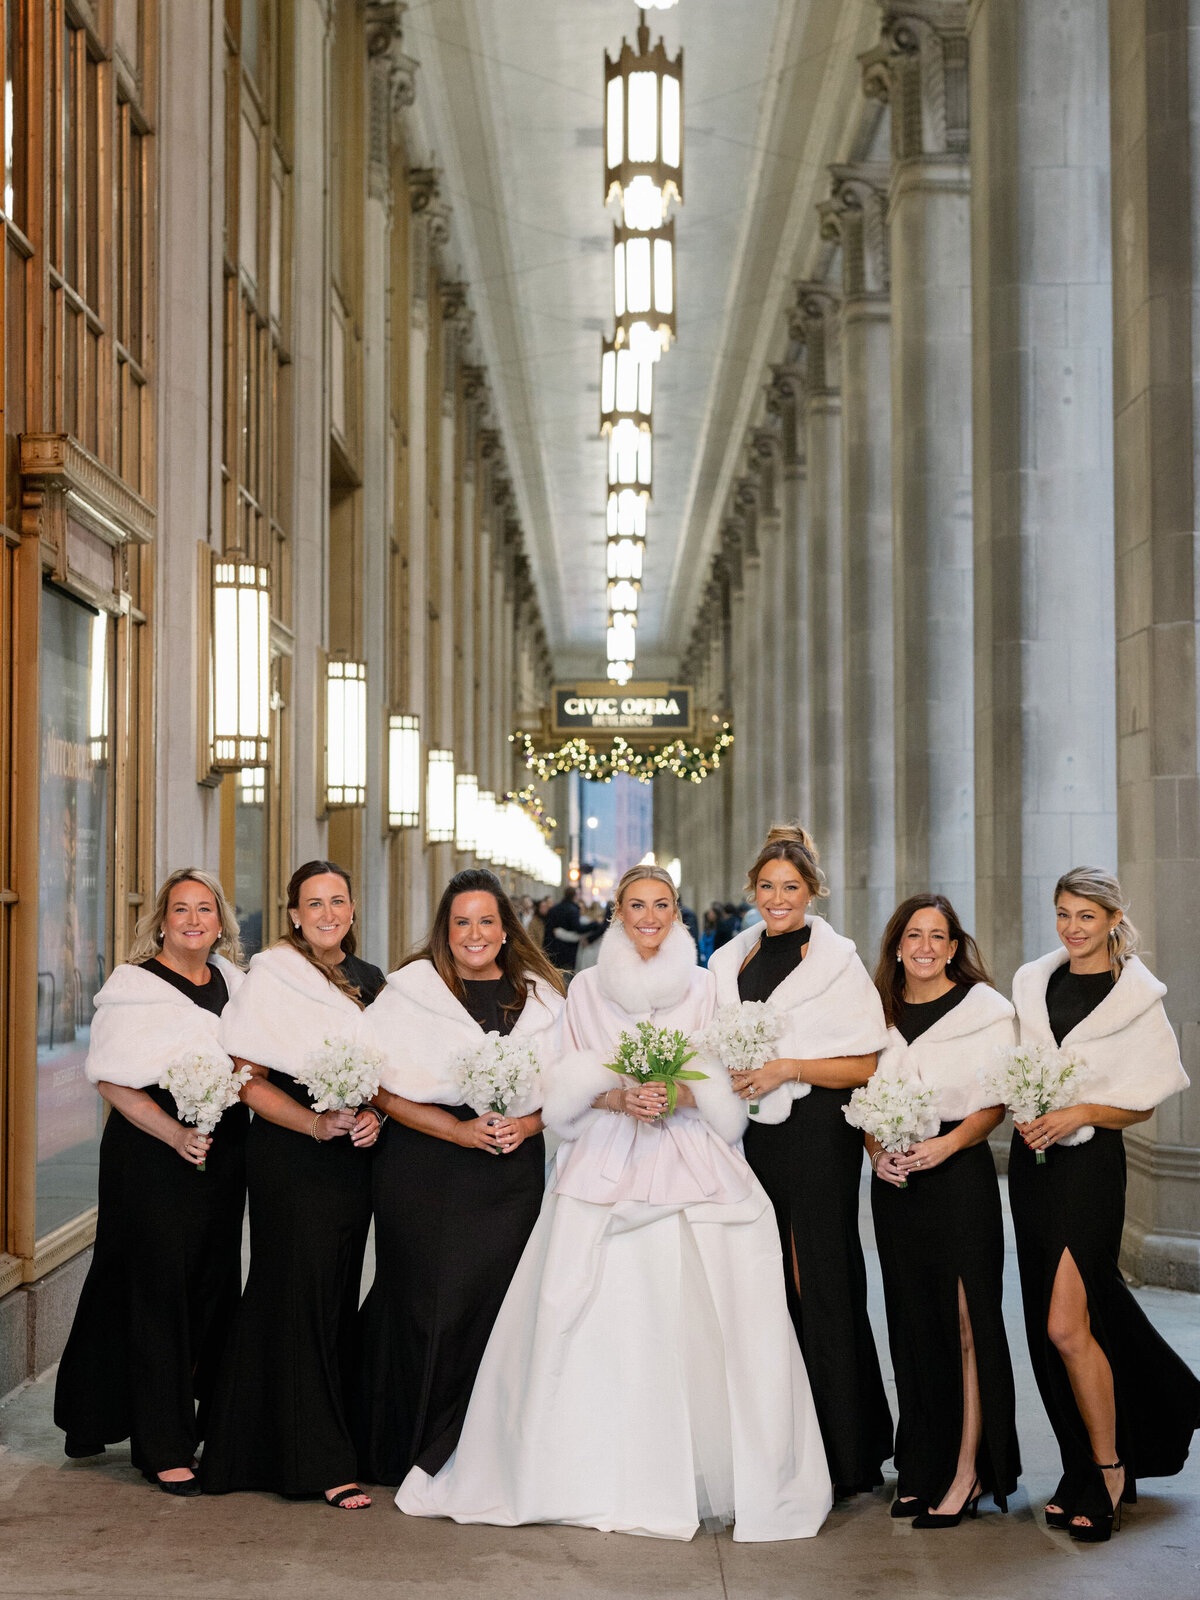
(630, 458)
(626, 387)
(643, 120)
(644, 289)
(625, 559)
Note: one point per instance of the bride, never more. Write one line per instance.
(643, 1375)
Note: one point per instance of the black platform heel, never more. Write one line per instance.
(951, 1519)
(1105, 1520)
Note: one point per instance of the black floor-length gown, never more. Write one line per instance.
(450, 1226)
(1076, 1202)
(810, 1165)
(946, 1226)
(281, 1417)
(162, 1289)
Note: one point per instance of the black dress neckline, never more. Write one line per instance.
(776, 956)
(918, 1016)
(490, 1002)
(1072, 996)
(211, 996)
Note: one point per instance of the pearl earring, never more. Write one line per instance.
(899, 957)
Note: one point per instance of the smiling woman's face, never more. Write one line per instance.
(476, 934)
(647, 911)
(191, 924)
(926, 945)
(782, 897)
(325, 913)
(1083, 927)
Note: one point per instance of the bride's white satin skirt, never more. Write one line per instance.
(643, 1377)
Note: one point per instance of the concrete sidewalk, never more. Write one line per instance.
(84, 1529)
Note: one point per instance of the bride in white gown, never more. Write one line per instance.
(643, 1375)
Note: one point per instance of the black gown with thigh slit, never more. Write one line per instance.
(944, 1228)
(810, 1165)
(281, 1416)
(162, 1289)
(1075, 1204)
(450, 1227)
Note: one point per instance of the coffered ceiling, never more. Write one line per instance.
(511, 110)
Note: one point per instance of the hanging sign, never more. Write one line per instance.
(635, 709)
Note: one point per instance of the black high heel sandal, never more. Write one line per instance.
(907, 1506)
(951, 1519)
(1104, 1521)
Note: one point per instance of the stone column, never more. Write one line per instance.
(750, 769)
(744, 751)
(794, 708)
(1045, 732)
(855, 216)
(1155, 113)
(813, 321)
(920, 69)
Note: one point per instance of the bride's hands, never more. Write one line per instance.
(645, 1102)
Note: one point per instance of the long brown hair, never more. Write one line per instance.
(965, 966)
(788, 841)
(517, 957)
(296, 940)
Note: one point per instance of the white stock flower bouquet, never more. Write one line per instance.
(894, 1112)
(655, 1055)
(342, 1075)
(743, 1036)
(496, 1073)
(203, 1087)
(1031, 1079)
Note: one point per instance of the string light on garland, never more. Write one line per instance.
(688, 761)
(529, 802)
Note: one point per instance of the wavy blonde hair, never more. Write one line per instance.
(1104, 890)
(147, 936)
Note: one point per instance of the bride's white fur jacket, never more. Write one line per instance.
(1129, 1047)
(669, 989)
(422, 1030)
(143, 1024)
(285, 1010)
(949, 1056)
(831, 1007)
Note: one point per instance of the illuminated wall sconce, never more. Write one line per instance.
(239, 711)
(345, 734)
(439, 797)
(466, 811)
(485, 825)
(404, 771)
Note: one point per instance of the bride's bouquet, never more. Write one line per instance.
(342, 1075)
(203, 1088)
(743, 1036)
(893, 1111)
(655, 1055)
(496, 1073)
(1031, 1079)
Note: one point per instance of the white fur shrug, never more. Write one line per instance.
(948, 1057)
(422, 1030)
(830, 1005)
(1129, 1047)
(285, 1010)
(143, 1024)
(612, 997)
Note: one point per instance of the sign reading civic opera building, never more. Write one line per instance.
(638, 708)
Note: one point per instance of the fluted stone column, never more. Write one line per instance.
(856, 216)
(746, 496)
(813, 324)
(1045, 732)
(745, 750)
(1155, 110)
(920, 69)
(793, 709)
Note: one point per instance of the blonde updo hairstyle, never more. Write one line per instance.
(148, 935)
(788, 841)
(637, 875)
(1103, 889)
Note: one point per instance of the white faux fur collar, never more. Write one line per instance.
(640, 987)
(420, 984)
(829, 954)
(288, 967)
(1135, 991)
(133, 984)
(979, 1008)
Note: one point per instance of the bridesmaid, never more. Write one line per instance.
(450, 1222)
(938, 1223)
(284, 1399)
(1121, 1402)
(166, 1269)
(803, 1151)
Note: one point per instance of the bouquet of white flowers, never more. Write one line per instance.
(203, 1088)
(893, 1111)
(342, 1075)
(655, 1055)
(496, 1073)
(743, 1036)
(1031, 1079)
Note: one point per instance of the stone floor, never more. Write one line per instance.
(76, 1529)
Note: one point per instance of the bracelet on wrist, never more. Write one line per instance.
(315, 1122)
(875, 1162)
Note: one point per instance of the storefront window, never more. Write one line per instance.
(73, 898)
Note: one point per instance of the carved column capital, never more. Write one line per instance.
(919, 69)
(812, 326)
(855, 216)
(391, 88)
